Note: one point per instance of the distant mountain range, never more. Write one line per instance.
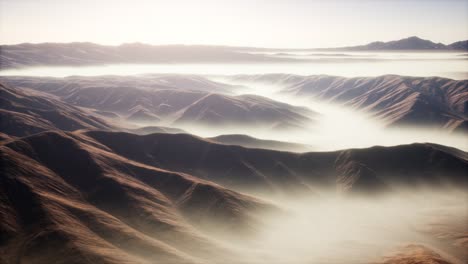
(411, 43)
(85, 53)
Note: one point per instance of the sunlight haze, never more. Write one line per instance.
(277, 23)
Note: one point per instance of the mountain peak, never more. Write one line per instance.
(414, 38)
(409, 43)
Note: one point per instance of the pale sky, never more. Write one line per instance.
(260, 23)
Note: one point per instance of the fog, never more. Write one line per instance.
(334, 127)
(332, 228)
(349, 64)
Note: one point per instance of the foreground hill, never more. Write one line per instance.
(397, 100)
(373, 169)
(66, 198)
(114, 197)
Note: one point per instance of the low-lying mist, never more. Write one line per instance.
(330, 228)
(334, 126)
(446, 64)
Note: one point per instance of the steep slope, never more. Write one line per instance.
(398, 100)
(27, 112)
(169, 103)
(123, 96)
(220, 110)
(68, 192)
(284, 172)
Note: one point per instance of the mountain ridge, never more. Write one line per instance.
(86, 53)
(397, 100)
(66, 190)
(409, 43)
(259, 168)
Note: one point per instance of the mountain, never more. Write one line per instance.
(414, 254)
(107, 197)
(114, 197)
(410, 43)
(169, 103)
(285, 172)
(147, 82)
(459, 45)
(66, 198)
(24, 112)
(397, 100)
(243, 110)
(84, 53)
(164, 100)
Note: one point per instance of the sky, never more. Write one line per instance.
(259, 23)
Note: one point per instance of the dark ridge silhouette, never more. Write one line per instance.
(398, 100)
(65, 198)
(251, 142)
(24, 112)
(285, 172)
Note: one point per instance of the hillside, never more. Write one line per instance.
(168, 104)
(396, 100)
(68, 192)
(284, 172)
(25, 112)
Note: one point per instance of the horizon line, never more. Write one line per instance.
(213, 45)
